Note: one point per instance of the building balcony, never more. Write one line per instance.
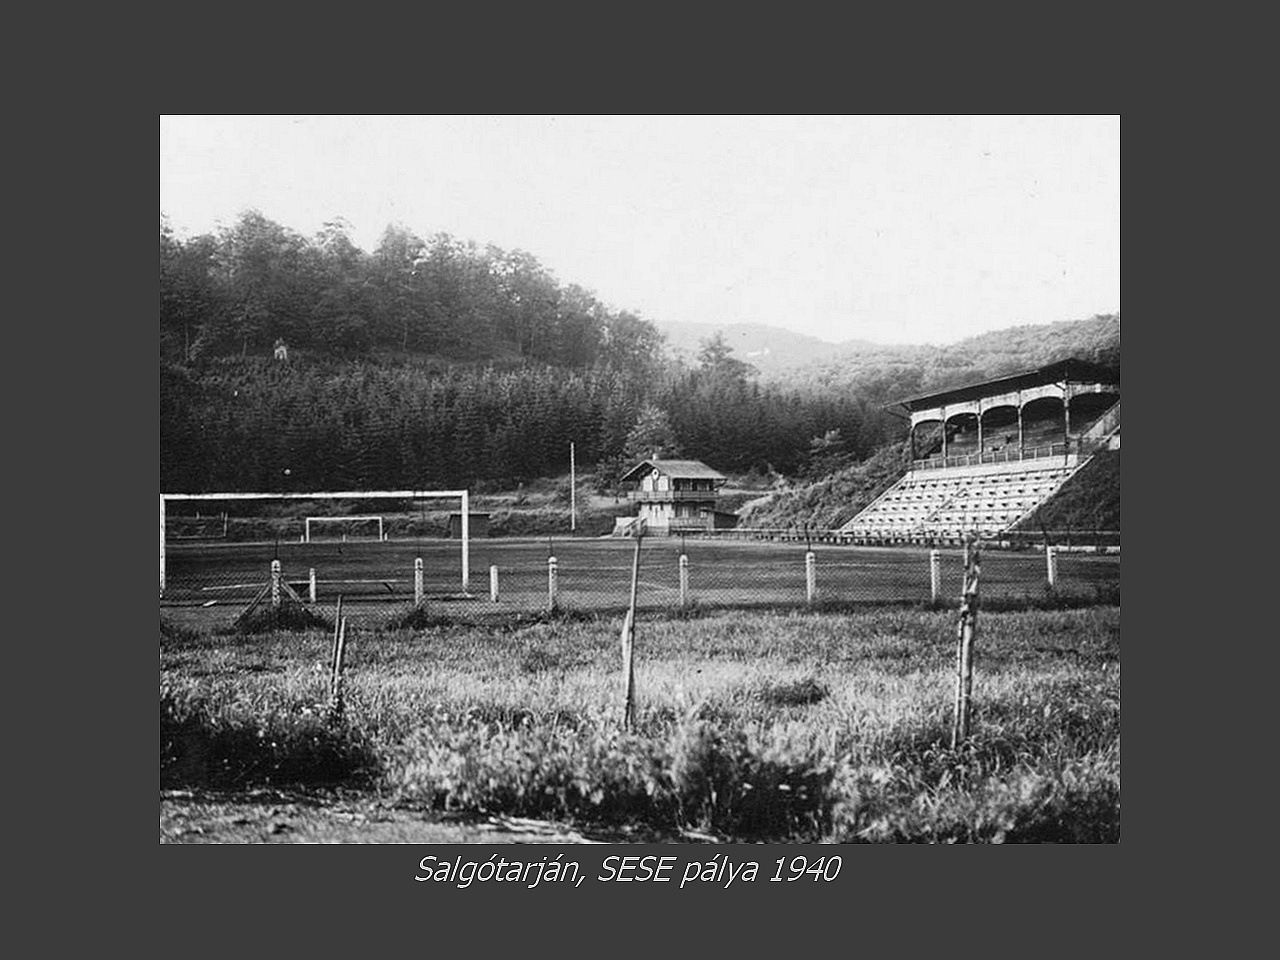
(673, 496)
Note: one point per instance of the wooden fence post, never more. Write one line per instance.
(935, 575)
(684, 581)
(312, 577)
(275, 584)
(335, 680)
(967, 633)
(810, 577)
(493, 584)
(1051, 565)
(552, 583)
(337, 628)
(628, 644)
(418, 593)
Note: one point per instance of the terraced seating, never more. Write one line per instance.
(924, 505)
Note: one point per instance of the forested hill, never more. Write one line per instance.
(238, 292)
(888, 372)
(440, 363)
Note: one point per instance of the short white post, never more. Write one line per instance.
(1051, 562)
(313, 584)
(810, 577)
(417, 581)
(684, 580)
(552, 578)
(493, 584)
(935, 575)
(275, 583)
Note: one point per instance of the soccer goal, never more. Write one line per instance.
(257, 529)
(362, 527)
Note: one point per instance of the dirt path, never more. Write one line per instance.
(276, 817)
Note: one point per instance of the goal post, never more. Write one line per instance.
(412, 495)
(364, 518)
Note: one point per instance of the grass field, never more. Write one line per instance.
(784, 725)
(208, 585)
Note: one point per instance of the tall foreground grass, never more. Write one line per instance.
(750, 726)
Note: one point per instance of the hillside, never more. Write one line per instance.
(831, 501)
(883, 373)
(1088, 501)
(289, 362)
(776, 353)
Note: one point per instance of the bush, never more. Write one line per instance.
(702, 774)
(291, 617)
(300, 746)
(418, 618)
(799, 693)
(726, 784)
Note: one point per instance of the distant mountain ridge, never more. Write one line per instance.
(886, 372)
(771, 350)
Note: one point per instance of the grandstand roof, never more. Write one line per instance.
(1071, 369)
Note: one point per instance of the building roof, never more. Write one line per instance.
(1071, 369)
(676, 469)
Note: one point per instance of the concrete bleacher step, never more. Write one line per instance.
(934, 506)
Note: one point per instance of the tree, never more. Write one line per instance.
(652, 436)
(191, 303)
(826, 454)
(394, 276)
(345, 299)
(262, 265)
(631, 344)
(716, 358)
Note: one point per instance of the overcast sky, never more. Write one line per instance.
(891, 229)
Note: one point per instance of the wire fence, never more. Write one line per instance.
(389, 584)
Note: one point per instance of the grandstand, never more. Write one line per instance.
(987, 455)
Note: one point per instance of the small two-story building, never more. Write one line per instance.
(675, 496)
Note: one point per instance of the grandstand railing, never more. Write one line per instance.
(1064, 450)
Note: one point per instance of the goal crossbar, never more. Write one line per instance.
(463, 495)
(364, 518)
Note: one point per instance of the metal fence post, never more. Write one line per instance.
(312, 578)
(1051, 562)
(418, 591)
(935, 575)
(493, 584)
(810, 577)
(552, 578)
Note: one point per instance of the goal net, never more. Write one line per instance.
(203, 533)
(333, 528)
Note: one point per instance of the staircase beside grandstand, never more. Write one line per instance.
(1105, 433)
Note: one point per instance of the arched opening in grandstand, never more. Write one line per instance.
(962, 435)
(1000, 434)
(926, 440)
(1043, 424)
(1086, 408)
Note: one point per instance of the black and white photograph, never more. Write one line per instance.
(694, 481)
